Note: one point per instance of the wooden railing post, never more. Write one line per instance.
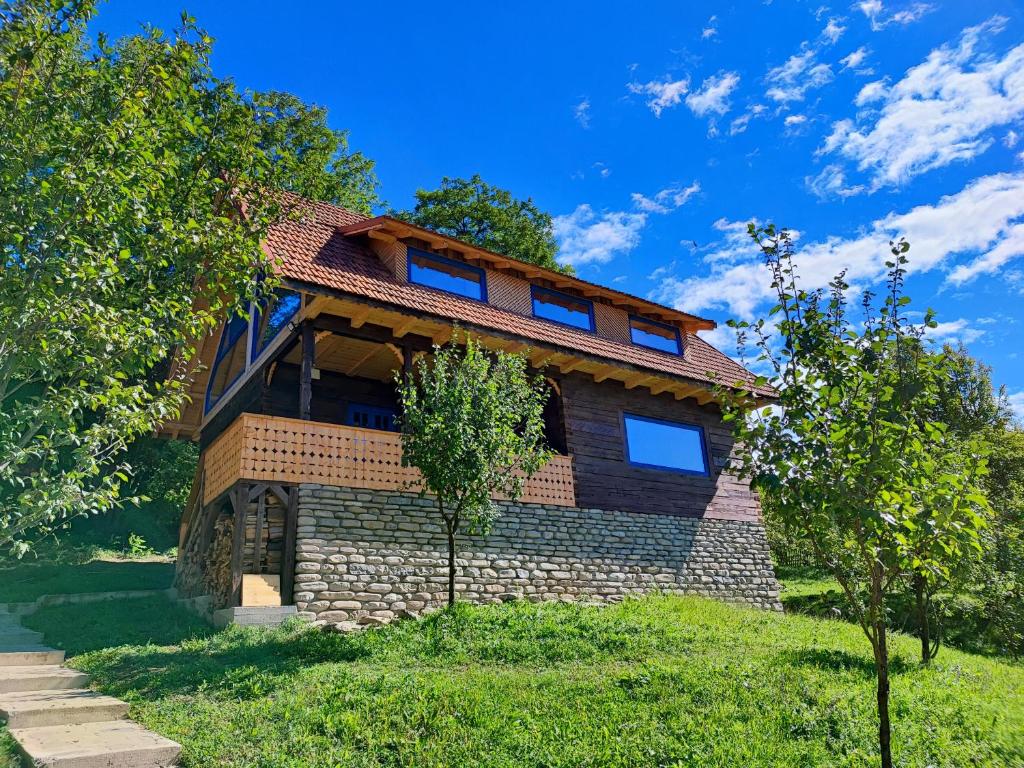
(291, 524)
(306, 372)
(239, 505)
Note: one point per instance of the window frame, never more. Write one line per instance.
(535, 289)
(666, 326)
(480, 271)
(379, 410)
(705, 448)
(222, 352)
(257, 320)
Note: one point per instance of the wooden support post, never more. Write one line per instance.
(407, 361)
(257, 549)
(239, 504)
(291, 525)
(306, 374)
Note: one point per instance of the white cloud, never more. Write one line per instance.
(937, 114)
(665, 200)
(874, 91)
(833, 30)
(984, 222)
(800, 73)
(661, 94)
(855, 59)
(582, 112)
(711, 30)
(585, 237)
(740, 124)
(713, 96)
(876, 15)
(954, 331)
(792, 120)
(1010, 139)
(1017, 405)
(831, 182)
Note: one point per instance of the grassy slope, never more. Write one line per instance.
(654, 682)
(26, 581)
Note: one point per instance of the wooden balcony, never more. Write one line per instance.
(270, 449)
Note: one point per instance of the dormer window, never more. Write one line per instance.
(562, 308)
(660, 336)
(449, 275)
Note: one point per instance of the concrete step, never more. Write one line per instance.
(113, 744)
(30, 655)
(74, 706)
(40, 677)
(261, 616)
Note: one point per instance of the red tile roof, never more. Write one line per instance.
(313, 250)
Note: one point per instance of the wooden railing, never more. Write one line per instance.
(273, 449)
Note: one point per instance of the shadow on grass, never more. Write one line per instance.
(27, 581)
(835, 660)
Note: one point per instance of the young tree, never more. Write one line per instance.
(472, 424)
(124, 171)
(474, 211)
(879, 492)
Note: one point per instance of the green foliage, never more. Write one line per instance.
(476, 212)
(132, 202)
(472, 424)
(163, 469)
(657, 682)
(852, 460)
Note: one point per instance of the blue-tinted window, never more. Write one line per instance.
(648, 333)
(562, 308)
(230, 361)
(447, 274)
(370, 417)
(283, 306)
(665, 445)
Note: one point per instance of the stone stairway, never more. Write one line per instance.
(56, 721)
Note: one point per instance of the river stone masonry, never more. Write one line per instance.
(364, 555)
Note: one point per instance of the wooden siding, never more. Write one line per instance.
(279, 450)
(606, 480)
(509, 292)
(611, 322)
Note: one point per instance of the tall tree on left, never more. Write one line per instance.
(133, 200)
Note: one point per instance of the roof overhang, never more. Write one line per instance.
(390, 229)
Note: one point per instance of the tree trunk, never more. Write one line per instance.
(882, 670)
(923, 628)
(451, 563)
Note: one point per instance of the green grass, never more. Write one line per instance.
(25, 581)
(663, 681)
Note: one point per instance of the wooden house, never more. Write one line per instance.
(301, 499)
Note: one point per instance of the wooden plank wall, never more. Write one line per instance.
(606, 480)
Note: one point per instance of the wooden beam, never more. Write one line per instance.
(384, 237)
(637, 381)
(660, 386)
(291, 524)
(306, 371)
(360, 317)
(444, 335)
(257, 546)
(404, 328)
(571, 364)
(239, 503)
(686, 391)
(362, 359)
(381, 334)
(603, 373)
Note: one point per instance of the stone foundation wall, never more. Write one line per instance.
(373, 554)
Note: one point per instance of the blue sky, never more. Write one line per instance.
(653, 132)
